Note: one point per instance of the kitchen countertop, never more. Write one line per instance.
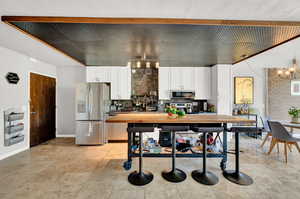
(150, 117)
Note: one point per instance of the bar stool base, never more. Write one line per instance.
(174, 176)
(138, 179)
(207, 178)
(237, 178)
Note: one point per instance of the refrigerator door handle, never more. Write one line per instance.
(91, 101)
(90, 129)
(88, 102)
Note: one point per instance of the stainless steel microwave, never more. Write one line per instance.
(183, 94)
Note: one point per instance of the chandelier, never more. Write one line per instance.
(289, 72)
(143, 62)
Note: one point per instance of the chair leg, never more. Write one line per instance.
(285, 151)
(278, 148)
(290, 147)
(297, 146)
(273, 142)
(264, 141)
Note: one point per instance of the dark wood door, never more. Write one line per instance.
(42, 108)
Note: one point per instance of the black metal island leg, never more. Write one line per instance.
(140, 177)
(236, 176)
(224, 159)
(204, 176)
(175, 175)
(127, 164)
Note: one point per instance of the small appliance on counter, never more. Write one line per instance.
(200, 106)
(92, 108)
(187, 107)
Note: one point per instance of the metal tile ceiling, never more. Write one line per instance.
(172, 45)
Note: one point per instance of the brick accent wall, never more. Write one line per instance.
(144, 80)
(280, 99)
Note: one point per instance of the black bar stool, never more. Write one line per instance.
(140, 177)
(174, 175)
(204, 176)
(236, 176)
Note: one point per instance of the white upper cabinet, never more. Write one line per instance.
(202, 77)
(182, 78)
(188, 78)
(164, 83)
(119, 78)
(125, 83)
(98, 74)
(196, 79)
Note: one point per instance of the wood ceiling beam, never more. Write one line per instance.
(40, 19)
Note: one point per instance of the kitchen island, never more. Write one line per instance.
(161, 119)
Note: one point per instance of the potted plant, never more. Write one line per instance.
(173, 112)
(294, 113)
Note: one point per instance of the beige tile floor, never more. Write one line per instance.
(60, 169)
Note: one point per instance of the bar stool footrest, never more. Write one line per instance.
(140, 179)
(174, 176)
(238, 178)
(207, 178)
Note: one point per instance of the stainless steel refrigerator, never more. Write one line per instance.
(92, 107)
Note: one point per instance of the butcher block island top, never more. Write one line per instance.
(163, 118)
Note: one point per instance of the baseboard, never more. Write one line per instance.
(65, 136)
(13, 153)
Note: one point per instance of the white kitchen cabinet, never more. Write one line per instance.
(120, 83)
(182, 78)
(202, 76)
(119, 78)
(98, 74)
(196, 79)
(188, 78)
(164, 83)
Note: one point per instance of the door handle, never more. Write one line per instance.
(32, 112)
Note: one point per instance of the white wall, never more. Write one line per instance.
(17, 95)
(67, 78)
(221, 88)
(278, 57)
(259, 84)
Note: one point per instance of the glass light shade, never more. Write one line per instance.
(129, 64)
(287, 72)
(138, 64)
(148, 65)
(292, 69)
(279, 72)
(133, 71)
(157, 65)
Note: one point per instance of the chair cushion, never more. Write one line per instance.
(243, 129)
